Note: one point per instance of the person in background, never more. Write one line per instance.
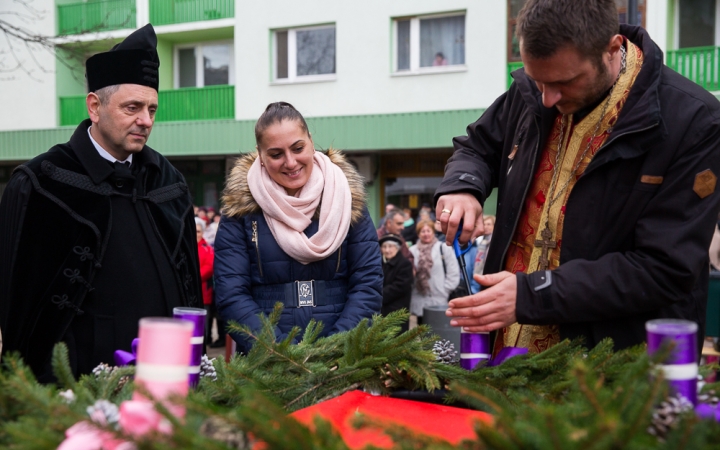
(388, 207)
(295, 230)
(439, 235)
(210, 214)
(206, 257)
(483, 244)
(437, 271)
(397, 276)
(439, 59)
(425, 213)
(715, 249)
(211, 230)
(409, 233)
(395, 224)
(202, 213)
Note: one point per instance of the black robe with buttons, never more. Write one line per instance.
(87, 249)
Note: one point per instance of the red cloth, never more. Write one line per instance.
(445, 422)
(206, 255)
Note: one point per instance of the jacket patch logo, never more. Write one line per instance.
(305, 293)
(705, 183)
(651, 179)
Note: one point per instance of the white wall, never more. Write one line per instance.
(656, 22)
(364, 84)
(29, 99)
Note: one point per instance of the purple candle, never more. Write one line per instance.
(681, 366)
(474, 348)
(197, 317)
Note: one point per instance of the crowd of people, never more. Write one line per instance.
(206, 225)
(421, 270)
(604, 160)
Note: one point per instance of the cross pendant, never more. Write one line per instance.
(546, 243)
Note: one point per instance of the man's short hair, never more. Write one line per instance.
(105, 93)
(394, 212)
(546, 26)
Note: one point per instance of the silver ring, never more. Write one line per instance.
(446, 211)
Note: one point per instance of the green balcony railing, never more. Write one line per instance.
(164, 12)
(208, 103)
(511, 67)
(699, 64)
(99, 15)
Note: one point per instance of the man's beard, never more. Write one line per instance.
(599, 89)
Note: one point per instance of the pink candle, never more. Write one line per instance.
(162, 357)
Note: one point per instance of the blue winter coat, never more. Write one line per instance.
(252, 272)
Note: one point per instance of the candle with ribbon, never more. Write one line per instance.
(162, 359)
(197, 317)
(474, 349)
(680, 368)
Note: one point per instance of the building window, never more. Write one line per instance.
(200, 65)
(697, 21)
(305, 54)
(514, 7)
(429, 43)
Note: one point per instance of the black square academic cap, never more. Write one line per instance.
(132, 61)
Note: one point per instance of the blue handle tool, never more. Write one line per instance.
(459, 253)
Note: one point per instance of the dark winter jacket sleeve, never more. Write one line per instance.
(365, 277)
(12, 214)
(233, 294)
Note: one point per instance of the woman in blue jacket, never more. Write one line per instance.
(295, 230)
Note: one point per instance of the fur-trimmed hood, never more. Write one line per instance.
(238, 201)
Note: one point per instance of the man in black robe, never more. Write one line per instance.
(98, 232)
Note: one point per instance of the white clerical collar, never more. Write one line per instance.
(104, 152)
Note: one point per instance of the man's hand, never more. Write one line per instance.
(490, 309)
(452, 208)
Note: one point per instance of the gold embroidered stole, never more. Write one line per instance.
(523, 255)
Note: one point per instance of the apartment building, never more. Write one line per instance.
(389, 82)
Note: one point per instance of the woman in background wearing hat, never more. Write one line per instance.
(295, 230)
(437, 271)
(398, 273)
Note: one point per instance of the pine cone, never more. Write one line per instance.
(666, 416)
(102, 369)
(445, 352)
(218, 429)
(207, 369)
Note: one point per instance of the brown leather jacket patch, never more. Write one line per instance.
(705, 183)
(651, 179)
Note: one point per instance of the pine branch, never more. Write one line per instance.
(61, 366)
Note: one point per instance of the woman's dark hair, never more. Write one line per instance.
(276, 113)
(545, 26)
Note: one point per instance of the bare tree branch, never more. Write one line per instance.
(21, 45)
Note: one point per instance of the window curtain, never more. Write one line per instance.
(442, 41)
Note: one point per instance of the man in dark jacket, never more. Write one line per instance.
(97, 232)
(605, 161)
